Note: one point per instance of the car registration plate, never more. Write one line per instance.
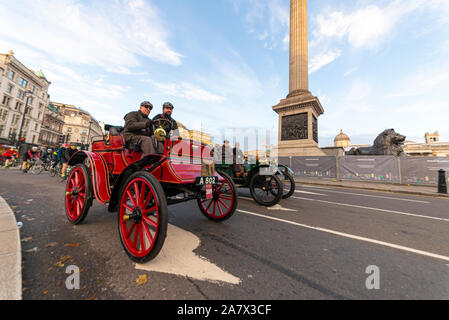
(202, 181)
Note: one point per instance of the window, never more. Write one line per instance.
(30, 102)
(83, 139)
(69, 129)
(9, 88)
(32, 89)
(39, 115)
(1, 129)
(35, 126)
(18, 106)
(43, 95)
(23, 83)
(6, 100)
(3, 114)
(11, 75)
(21, 95)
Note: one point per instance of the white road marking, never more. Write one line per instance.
(280, 208)
(246, 198)
(177, 257)
(313, 193)
(368, 195)
(375, 209)
(351, 236)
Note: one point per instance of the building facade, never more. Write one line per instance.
(52, 127)
(79, 125)
(18, 84)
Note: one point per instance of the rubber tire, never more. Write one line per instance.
(253, 194)
(292, 185)
(234, 205)
(88, 202)
(163, 215)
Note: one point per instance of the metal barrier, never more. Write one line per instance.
(384, 169)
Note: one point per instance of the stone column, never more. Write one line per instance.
(299, 48)
(299, 112)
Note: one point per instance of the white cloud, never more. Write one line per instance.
(112, 37)
(187, 91)
(271, 16)
(321, 60)
(369, 26)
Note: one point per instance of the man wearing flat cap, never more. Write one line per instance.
(139, 129)
(169, 125)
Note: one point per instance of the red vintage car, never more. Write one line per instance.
(141, 188)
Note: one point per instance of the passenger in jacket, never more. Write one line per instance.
(139, 129)
(169, 125)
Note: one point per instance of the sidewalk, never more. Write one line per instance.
(374, 186)
(10, 255)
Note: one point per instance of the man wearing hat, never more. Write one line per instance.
(139, 128)
(169, 126)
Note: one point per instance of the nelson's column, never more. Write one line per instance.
(299, 112)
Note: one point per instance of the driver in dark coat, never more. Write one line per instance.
(170, 125)
(139, 129)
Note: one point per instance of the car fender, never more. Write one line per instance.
(99, 173)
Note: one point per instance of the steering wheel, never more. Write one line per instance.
(160, 122)
(159, 131)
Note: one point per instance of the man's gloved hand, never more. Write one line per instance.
(149, 124)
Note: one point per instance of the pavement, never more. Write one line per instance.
(374, 186)
(322, 243)
(10, 255)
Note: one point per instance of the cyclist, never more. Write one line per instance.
(32, 154)
(65, 157)
(9, 155)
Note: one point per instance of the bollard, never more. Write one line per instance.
(442, 185)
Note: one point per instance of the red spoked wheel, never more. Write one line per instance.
(224, 200)
(78, 194)
(143, 217)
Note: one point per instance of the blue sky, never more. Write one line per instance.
(374, 64)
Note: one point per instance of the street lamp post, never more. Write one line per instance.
(88, 135)
(28, 94)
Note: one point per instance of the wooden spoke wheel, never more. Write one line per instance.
(143, 217)
(78, 194)
(266, 190)
(224, 200)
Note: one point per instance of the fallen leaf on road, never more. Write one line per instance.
(73, 245)
(27, 239)
(141, 280)
(52, 244)
(30, 219)
(45, 292)
(31, 250)
(66, 258)
(30, 200)
(61, 261)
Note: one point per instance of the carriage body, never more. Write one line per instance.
(140, 188)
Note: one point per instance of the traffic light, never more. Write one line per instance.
(67, 138)
(61, 138)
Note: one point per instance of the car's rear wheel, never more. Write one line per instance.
(266, 190)
(288, 184)
(223, 203)
(143, 217)
(78, 196)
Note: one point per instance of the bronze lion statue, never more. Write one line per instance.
(388, 143)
